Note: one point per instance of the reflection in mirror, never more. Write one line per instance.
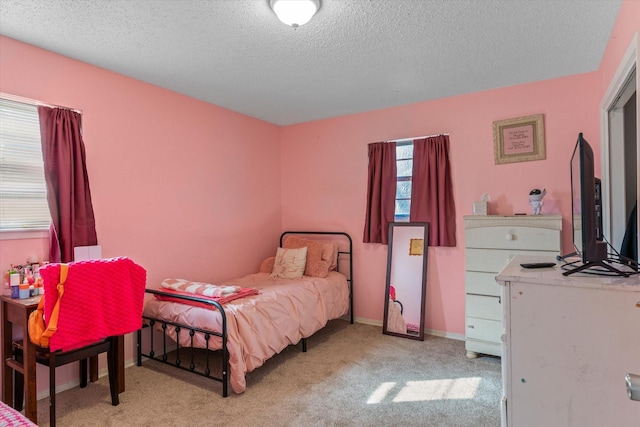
(406, 288)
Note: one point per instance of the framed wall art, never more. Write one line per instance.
(416, 246)
(519, 140)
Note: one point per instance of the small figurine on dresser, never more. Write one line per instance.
(535, 200)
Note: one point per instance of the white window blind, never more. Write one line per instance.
(23, 191)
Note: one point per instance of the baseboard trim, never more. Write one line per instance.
(434, 332)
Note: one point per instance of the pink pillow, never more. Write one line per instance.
(317, 268)
(267, 265)
(313, 267)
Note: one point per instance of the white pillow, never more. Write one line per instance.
(289, 263)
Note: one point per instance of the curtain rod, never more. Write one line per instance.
(416, 137)
(24, 100)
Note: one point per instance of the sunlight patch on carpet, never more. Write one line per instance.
(381, 393)
(419, 391)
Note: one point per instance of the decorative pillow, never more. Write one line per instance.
(314, 252)
(267, 265)
(330, 254)
(317, 268)
(289, 263)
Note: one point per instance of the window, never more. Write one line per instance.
(404, 166)
(23, 191)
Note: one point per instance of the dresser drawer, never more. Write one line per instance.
(484, 329)
(481, 283)
(484, 307)
(494, 260)
(513, 237)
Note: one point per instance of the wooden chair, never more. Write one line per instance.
(83, 323)
(53, 359)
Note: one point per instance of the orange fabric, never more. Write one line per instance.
(38, 333)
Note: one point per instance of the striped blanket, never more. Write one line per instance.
(221, 294)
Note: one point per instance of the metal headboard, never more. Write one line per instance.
(349, 253)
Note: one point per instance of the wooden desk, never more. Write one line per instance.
(17, 311)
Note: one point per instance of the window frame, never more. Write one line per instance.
(404, 178)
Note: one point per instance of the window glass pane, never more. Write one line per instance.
(402, 210)
(404, 151)
(404, 167)
(403, 190)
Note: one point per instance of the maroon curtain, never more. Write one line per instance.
(381, 192)
(432, 190)
(65, 173)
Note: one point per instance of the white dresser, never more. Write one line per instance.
(491, 243)
(569, 343)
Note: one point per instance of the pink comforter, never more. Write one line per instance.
(260, 326)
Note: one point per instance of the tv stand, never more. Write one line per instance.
(605, 268)
(568, 343)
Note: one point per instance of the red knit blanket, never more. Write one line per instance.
(102, 298)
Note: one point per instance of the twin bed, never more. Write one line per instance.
(252, 318)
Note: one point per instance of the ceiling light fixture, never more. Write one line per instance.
(295, 12)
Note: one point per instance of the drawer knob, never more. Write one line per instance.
(510, 236)
(638, 304)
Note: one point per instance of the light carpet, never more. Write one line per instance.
(351, 375)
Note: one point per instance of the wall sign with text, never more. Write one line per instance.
(519, 140)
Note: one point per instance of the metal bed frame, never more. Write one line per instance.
(189, 351)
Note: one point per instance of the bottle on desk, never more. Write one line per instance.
(39, 286)
(24, 290)
(14, 282)
(15, 291)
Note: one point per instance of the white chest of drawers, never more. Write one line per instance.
(569, 343)
(491, 243)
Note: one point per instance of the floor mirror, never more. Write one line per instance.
(406, 288)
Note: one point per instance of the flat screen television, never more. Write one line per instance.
(588, 238)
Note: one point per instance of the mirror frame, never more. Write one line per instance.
(392, 226)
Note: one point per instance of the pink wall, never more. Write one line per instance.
(324, 169)
(169, 175)
(184, 188)
(21, 251)
(189, 189)
(315, 197)
(627, 25)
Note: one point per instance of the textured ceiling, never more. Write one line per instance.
(354, 55)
